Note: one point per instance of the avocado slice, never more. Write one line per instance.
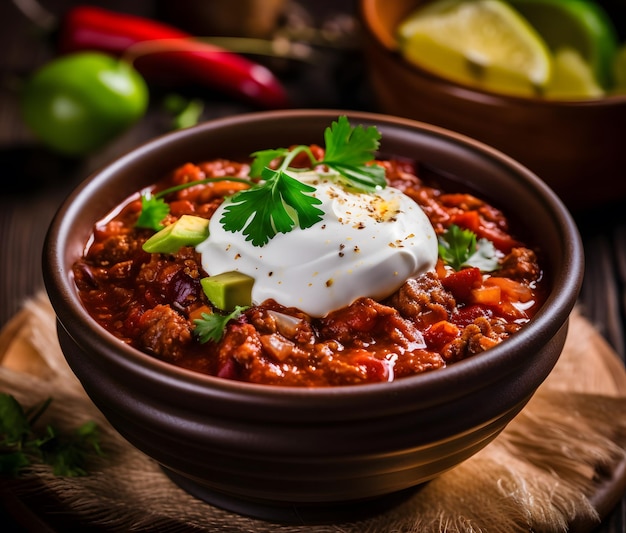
(188, 230)
(228, 290)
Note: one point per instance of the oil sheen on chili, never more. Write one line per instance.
(428, 321)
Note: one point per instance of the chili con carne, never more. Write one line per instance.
(150, 301)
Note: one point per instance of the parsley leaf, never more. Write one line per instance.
(459, 248)
(348, 150)
(211, 326)
(153, 211)
(20, 446)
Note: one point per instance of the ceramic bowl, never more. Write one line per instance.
(306, 454)
(575, 146)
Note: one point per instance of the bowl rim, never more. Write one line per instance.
(69, 310)
(372, 29)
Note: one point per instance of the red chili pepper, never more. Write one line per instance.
(177, 58)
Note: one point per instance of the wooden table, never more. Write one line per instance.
(35, 181)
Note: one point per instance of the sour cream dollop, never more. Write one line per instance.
(368, 244)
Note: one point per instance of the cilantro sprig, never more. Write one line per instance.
(21, 445)
(279, 202)
(273, 207)
(460, 248)
(211, 326)
(348, 150)
(154, 209)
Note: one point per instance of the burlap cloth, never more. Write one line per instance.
(545, 472)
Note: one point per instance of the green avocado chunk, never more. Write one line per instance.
(188, 230)
(228, 290)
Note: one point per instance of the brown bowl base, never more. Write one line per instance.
(293, 513)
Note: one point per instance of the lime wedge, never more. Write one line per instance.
(572, 77)
(483, 42)
(582, 25)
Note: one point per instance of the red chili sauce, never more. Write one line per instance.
(150, 301)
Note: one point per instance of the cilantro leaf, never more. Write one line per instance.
(261, 212)
(264, 158)
(153, 211)
(69, 456)
(12, 462)
(348, 149)
(14, 424)
(20, 445)
(485, 257)
(280, 202)
(211, 326)
(459, 247)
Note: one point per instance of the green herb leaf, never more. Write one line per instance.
(14, 424)
(486, 257)
(281, 202)
(211, 326)
(262, 211)
(153, 211)
(20, 445)
(187, 111)
(263, 159)
(348, 150)
(69, 456)
(459, 248)
(12, 462)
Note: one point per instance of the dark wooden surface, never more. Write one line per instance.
(35, 181)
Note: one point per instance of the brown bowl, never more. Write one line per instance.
(311, 454)
(577, 147)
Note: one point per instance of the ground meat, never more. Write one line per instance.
(116, 248)
(423, 300)
(173, 280)
(521, 265)
(416, 362)
(270, 317)
(477, 337)
(364, 321)
(164, 332)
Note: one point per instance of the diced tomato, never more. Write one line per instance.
(486, 295)
(468, 220)
(359, 317)
(466, 315)
(501, 240)
(196, 314)
(461, 283)
(375, 369)
(464, 201)
(178, 208)
(188, 172)
(512, 290)
(440, 334)
(510, 312)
